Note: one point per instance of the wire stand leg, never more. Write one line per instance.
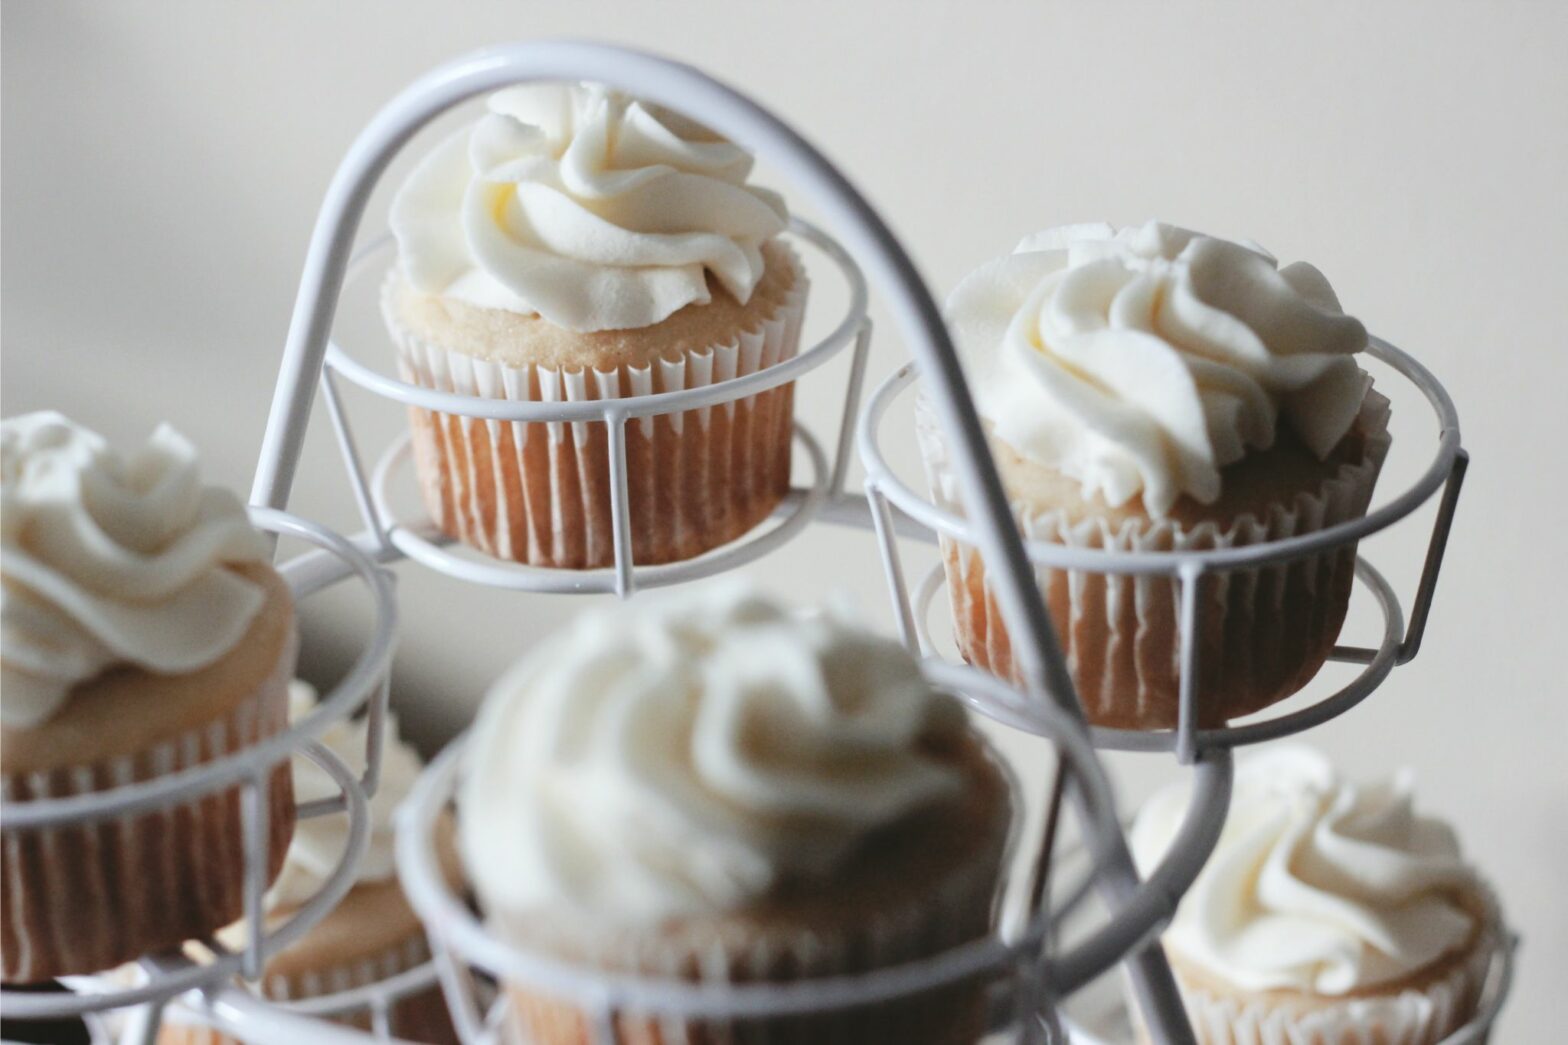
(143, 1023)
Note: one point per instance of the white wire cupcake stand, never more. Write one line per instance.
(1027, 967)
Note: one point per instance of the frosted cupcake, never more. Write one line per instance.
(1331, 913)
(373, 934)
(142, 633)
(1154, 389)
(579, 244)
(710, 788)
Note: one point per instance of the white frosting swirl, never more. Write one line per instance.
(109, 560)
(595, 210)
(319, 842)
(1142, 361)
(1317, 885)
(685, 755)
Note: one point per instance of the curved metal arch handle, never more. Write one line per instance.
(887, 266)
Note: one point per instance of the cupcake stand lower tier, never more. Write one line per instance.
(1030, 968)
(1043, 955)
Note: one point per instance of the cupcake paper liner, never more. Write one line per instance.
(420, 1017)
(90, 896)
(1264, 632)
(958, 912)
(539, 492)
(314, 983)
(1422, 1014)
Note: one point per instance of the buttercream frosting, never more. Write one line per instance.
(112, 559)
(1141, 361)
(318, 842)
(594, 210)
(1318, 884)
(685, 755)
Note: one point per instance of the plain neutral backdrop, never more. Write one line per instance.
(162, 164)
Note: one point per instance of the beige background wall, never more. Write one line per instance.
(163, 162)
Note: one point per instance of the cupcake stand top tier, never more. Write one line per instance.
(1030, 969)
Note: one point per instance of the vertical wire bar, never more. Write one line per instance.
(375, 736)
(604, 1023)
(1191, 575)
(504, 1025)
(380, 1017)
(887, 538)
(1033, 1008)
(1041, 1022)
(1154, 987)
(620, 504)
(254, 814)
(1039, 883)
(144, 1023)
(351, 458)
(846, 426)
(458, 985)
(1158, 997)
(1026, 1004)
(1441, 526)
(1048, 1021)
(375, 727)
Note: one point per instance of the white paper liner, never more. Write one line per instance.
(421, 1016)
(539, 493)
(313, 983)
(1423, 1015)
(958, 911)
(82, 898)
(1265, 632)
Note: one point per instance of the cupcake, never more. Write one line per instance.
(1329, 914)
(373, 934)
(712, 789)
(142, 633)
(1153, 389)
(579, 244)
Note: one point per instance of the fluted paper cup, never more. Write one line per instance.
(539, 492)
(421, 1016)
(1263, 634)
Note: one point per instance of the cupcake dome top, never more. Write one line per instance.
(686, 755)
(592, 209)
(112, 559)
(1141, 361)
(1318, 884)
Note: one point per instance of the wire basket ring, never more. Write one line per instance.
(180, 974)
(351, 693)
(339, 361)
(1375, 668)
(1171, 563)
